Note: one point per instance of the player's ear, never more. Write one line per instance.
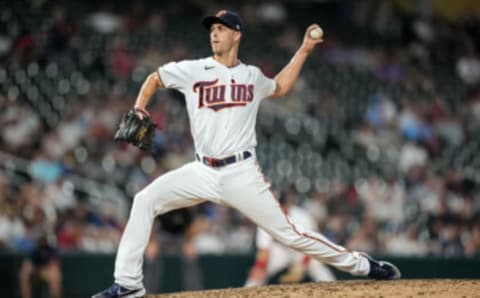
(237, 35)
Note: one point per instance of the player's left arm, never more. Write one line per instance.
(287, 77)
(149, 86)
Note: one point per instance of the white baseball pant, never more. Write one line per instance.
(281, 257)
(240, 185)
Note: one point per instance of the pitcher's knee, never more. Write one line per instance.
(154, 205)
(143, 202)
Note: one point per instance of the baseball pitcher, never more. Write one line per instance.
(222, 97)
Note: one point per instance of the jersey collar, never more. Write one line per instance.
(222, 65)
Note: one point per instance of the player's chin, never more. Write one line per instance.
(216, 49)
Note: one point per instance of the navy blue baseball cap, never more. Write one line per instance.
(227, 18)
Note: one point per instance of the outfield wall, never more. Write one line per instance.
(84, 274)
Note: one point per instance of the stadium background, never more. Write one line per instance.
(379, 140)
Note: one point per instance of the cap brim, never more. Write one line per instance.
(208, 21)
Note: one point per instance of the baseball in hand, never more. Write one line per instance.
(316, 33)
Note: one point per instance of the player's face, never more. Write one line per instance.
(222, 38)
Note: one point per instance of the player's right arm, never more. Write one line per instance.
(287, 77)
(149, 86)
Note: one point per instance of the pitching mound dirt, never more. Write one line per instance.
(439, 288)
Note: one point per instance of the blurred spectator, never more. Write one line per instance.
(316, 206)
(272, 12)
(60, 32)
(46, 168)
(61, 195)
(12, 226)
(390, 120)
(41, 267)
(366, 238)
(412, 155)
(69, 234)
(384, 199)
(25, 47)
(103, 21)
(176, 230)
(407, 243)
(19, 125)
(120, 60)
(382, 112)
(337, 228)
(472, 248)
(468, 68)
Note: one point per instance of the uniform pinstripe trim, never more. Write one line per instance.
(265, 180)
(292, 225)
(312, 237)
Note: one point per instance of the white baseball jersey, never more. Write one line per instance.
(222, 102)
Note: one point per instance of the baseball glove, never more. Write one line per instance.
(136, 130)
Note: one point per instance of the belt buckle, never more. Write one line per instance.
(208, 161)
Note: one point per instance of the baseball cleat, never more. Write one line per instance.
(117, 291)
(382, 270)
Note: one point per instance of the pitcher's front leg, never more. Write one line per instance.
(246, 190)
(168, 192)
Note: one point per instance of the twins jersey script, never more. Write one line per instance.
(222, 102)
(222, 105)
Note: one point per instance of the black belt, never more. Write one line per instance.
(215, 162)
